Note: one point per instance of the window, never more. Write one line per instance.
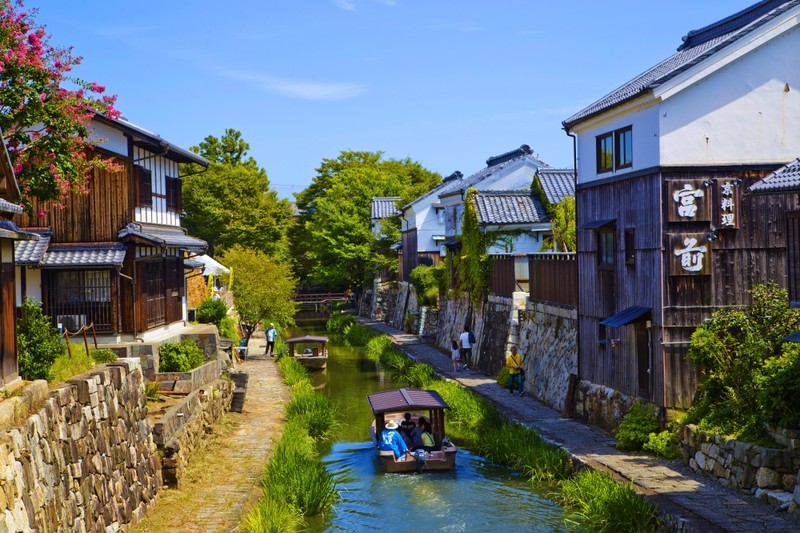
(173, 194)
(630, 246)
(144, 187)
(622, 145)
(615, 150)
(605, 246)
(605, 153)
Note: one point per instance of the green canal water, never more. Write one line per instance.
(477, 496)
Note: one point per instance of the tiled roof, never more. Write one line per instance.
(509, 207)
(31, 252)
(193, 264)
(785, 179)
(557, 183)
(488, 171)
(384, 206)
(84, 255)
(8, 207)
(163, 236)
(697, 46)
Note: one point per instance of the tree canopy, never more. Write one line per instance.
(232, 203)
(335, 242)
(563, 226)
(263, 288)
(45, 113)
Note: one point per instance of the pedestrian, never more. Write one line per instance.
(455, 355)
(516, 371)
(272, 334)
(467, 340)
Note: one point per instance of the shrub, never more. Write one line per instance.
(66, 366)
(103, 355)
(152, 389)
(38, 342)
(426, 284)
(180, 357)
(212, 312)
(227, 329)
(502, 377)
(662, 444)
(780, 393)
(634, 431)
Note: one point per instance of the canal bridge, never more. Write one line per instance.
(318, 304)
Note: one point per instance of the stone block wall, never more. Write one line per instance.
(184, 426)
(384, 298)
(548, 338)
(601, 406)
(406, 302)
(85, 460)
(453, 314)
(185, 382)
(492, 328)
(770, 474)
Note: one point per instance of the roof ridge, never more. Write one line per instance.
(731, 23)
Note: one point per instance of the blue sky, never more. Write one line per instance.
(445, 83)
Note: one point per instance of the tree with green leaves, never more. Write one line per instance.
(473, 263)
(335, 241)
(263, 288)
(563, 226)
(232, 203)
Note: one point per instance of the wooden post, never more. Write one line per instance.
(66, 337)
(94, 335)
(85, 339)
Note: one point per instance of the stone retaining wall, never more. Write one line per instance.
(183, 427)
(384, 298)
(85, 460)
(548, 338)
(771, 474)
(186, 382)
(601, 406)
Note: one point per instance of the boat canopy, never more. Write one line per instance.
(307, 338)
(405, 399)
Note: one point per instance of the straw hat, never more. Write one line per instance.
(391, 424)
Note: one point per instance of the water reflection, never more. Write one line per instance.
(477, 496)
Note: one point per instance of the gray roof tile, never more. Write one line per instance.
(485, 172)
(84, 255)
(697, 46)
(509, 207)
(785, 179)
(163, 236)
(384, 206)
(557, 183)
(8, 207)
(31, 252)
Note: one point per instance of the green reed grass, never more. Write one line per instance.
(358, 335)
(295, 481)
(66, 366)
(377, 346)
(603, 505)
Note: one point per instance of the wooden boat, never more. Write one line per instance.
(314, 357)
(391, 405)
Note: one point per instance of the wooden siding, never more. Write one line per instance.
(633, 204)
(94, 217)
(409, 257)
(553, 278)
(793, 256)
(739, 258)
(503, 281)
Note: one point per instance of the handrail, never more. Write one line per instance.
(82, 329)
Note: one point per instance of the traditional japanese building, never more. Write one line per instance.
(666, 234)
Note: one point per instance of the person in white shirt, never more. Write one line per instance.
(272, 333)
(465, 341)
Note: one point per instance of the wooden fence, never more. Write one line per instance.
(553, 278)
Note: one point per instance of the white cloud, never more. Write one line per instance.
(298, 89)
(347, 5)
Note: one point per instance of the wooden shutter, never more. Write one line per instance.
(144, 187)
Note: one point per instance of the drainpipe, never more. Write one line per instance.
(577, 276)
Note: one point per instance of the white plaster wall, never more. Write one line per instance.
(522, 244)
(429, 225)
(741, 113)
(645, 132)
(33, 283)
(113, 139)
(160, 168)
(517, 176)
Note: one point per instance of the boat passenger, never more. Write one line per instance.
(428, 442)
(416, 433)
(392, 441)
(407, 425)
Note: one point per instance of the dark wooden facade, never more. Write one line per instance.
(647, 356)
(409, 256)
(553, 278)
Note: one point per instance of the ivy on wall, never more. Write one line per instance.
(473, 265)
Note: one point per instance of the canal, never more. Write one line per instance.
(477, 496)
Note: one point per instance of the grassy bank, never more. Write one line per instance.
(295, 482)
(600, 504)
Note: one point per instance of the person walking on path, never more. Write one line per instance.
(467, 339)
(455, 355)
(515, 370)
(272, 334)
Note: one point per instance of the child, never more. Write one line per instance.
(456, 355)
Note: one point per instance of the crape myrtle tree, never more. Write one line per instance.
(263, 288)
(232, 203)
(333, 240)
(45, 113)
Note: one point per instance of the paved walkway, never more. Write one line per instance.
(696, 503)
(223, 477)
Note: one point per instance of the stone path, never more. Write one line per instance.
(694, 502)
(223, 477)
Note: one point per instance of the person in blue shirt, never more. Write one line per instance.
(272, 333)
(392, 441)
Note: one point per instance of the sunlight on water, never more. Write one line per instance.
(477, 496)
